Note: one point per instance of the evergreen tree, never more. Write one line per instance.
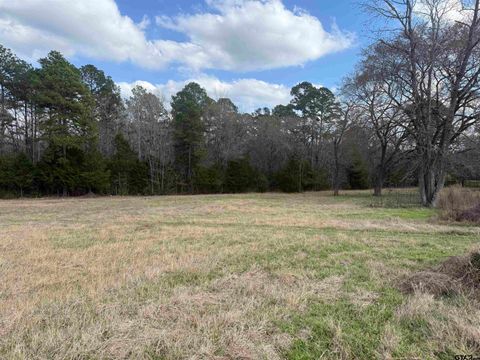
(16, 174)
(295, 176)
(187, 108)
(358, 176)
(95, 174)
(108, 106)
(239, 176)
(284, 111)
(67, 121)
(209, 179)
(129, 176)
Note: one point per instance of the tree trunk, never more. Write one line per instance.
(2, 120)
(336, 191)
(189, 174)
(379, 180)
(300, 180)
(431, 182)
(336, 170)
(26, 128)
(163, 178)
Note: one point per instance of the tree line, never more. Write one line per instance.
(408, 115)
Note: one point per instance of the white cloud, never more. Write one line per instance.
(236, 35)
(447, 10)
(145, 23)
(257, 34)
(93, 28)
(247, 94)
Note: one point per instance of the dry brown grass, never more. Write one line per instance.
(435, 283)
(455, 275)
(206, 277)
(449, 327)
(228, 318)
(456, 200)
(390, 341)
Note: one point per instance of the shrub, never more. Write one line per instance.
(357, 172)
(320, 181)
(208, 179)
(290, 178)
(261, 182)
(456, 203)
(16, 175)
(239, 176)
(128, 174)
(472, 215)
(298, 176)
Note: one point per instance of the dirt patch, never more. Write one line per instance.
(457, 274)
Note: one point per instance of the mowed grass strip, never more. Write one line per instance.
(260, 276)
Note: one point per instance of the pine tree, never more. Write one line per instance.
(67, 122)
(129, 176)
(108, 106)
(239, 176)
(16, 174)
(188, 107)
(358, 176)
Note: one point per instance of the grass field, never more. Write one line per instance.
(255, 276)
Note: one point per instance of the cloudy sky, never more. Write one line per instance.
(252, 51)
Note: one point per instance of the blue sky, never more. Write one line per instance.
(253, 51)
(327, 70)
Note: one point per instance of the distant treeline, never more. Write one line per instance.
(67, 131)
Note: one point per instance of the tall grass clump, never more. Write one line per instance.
(459, 204)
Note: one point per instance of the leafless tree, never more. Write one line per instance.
(378, 113)
(151, 133)
(435, 61)
(340, 123)
(227, 132)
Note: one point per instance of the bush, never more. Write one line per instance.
(128, 175)
(298, 176)
(261, 182)
(357, 172)
(16, 175)
(208, 179)
(95, 176)
(320, 181)
(471, 215)
(291, 178)
(239, 176)
(475, 260)
(456, 202)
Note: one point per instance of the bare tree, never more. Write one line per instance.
(436, 63)
(381, 117)
(151, 133)
(268, 146)
(339, 126)
(226, 132)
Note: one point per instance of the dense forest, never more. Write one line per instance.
(408, 115)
